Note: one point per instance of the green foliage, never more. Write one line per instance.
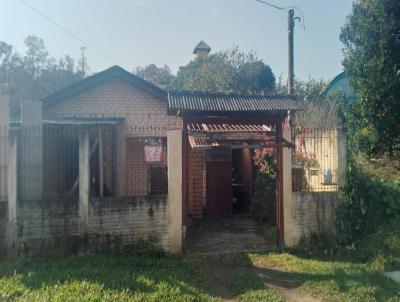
(265, 184)
(371, 38)
(318, 110)
(160, 76)
(367, 204)
(34, 74)
(102, 278)
(249, 287)
(333, 280)
(229, 71)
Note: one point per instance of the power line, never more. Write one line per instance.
(68, 31)
(286, 8)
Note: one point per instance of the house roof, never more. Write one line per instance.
(114, 72)
(202, 46)
(229, 103)
(341, 83)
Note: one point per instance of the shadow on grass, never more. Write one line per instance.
(323, 279)
(120, 274)
(200, 278)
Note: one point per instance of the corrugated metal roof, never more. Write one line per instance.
(84, 121)
(202, 102)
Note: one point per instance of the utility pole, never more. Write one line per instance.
(82, 61)
(291, 19)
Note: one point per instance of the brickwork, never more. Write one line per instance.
(195, 183)
(145, 116)
(137, 170)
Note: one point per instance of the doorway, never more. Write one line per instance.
(242, 180)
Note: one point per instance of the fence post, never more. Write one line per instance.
(4, 126)
(31, 153)
(174, 154)
(84, 178)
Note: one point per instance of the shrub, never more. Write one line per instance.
(367, 205)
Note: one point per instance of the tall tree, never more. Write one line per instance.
(34, 74)
(160, 76)
(230, 71)
(371, 38)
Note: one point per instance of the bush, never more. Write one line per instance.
(367, 205)
(265, 185)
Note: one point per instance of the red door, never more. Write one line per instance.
(219, 189)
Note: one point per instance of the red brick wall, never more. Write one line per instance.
(145, 116)
(195, 183)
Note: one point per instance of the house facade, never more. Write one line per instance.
(113, 159)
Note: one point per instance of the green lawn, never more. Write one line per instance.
(270, 277)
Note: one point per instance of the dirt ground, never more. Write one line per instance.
(221, 250)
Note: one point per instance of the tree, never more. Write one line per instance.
(160, 76)
(371, 38)
(231, 71)
(34, 74)
(318, 109)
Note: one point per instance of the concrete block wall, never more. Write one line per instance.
(312, 213)
(53, 228)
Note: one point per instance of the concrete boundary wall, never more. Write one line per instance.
(53, 228)
(312, 213)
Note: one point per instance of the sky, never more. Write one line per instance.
(134, 33)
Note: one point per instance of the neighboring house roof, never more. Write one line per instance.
(202, 46)
(229, 103)
(114, 72)
(341, 83)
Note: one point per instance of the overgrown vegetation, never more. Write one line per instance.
(265, 185)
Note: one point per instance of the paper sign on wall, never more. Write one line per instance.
(153, 152)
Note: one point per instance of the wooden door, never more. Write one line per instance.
(219, 189)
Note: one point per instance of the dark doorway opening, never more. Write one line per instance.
(242, 180)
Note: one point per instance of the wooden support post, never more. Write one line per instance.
(101, 165)
(84, 178)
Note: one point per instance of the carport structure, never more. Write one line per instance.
(220, 134)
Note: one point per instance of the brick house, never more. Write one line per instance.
(113, 159)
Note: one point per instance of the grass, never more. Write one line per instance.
(272, 277)
(333, 280)
(102, 278)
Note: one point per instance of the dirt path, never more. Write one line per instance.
(220, 272)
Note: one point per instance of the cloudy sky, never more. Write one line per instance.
(138, 32)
